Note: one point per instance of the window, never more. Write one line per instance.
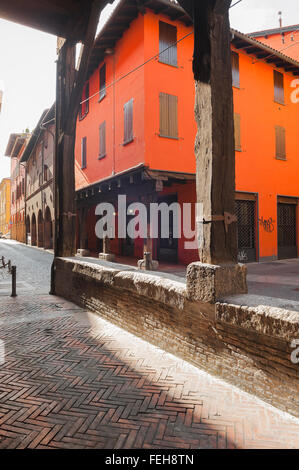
(278, 87)
(237, 122)
(102, 132)
(40, 179)
(168, 116)
(87, 98)
(83, 152)
(280, 143)
(168, 38)
(235, 69)
(23, 186)
(84, 106)
(46, 173)
(102, 82)
(128, 122)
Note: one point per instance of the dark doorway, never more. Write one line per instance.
(48, 229)
(168, 247)
(128, 244)
(28, 233)
(246, 213)
(287, 245)
(40, 234)
(33, 230)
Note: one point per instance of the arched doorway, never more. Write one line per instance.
(48, 230)
(28, 234)
(33, 230)
(40, 233)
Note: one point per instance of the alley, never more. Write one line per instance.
(72, 380)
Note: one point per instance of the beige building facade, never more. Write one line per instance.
(5, 206)
(39, 183)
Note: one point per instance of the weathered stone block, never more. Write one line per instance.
(83, 253)
(107, 256)
(152, 265)
(210, 283)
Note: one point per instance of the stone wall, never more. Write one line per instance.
(248, 347)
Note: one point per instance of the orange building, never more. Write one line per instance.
(15, 148)
(5, 206)
(136, 132)
(284, 39)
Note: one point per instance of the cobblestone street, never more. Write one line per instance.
(72, 380)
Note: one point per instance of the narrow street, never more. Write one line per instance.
(72, 380)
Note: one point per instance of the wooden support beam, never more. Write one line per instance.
(214, 148)
(70, 83)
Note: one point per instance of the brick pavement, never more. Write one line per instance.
(73, 380)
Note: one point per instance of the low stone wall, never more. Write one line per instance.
(249, 347)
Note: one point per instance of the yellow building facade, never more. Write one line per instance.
(5, 206)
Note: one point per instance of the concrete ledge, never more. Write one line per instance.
(161, 289)
(267, 320)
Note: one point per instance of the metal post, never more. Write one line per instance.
(13, 281)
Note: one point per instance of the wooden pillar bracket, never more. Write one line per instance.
(227, 218)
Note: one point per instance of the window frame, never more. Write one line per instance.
(102, 129)
(238, 142)
(83, 153)
(128, 114)
(102, 89)
(167, 134)
(84, 107)
(280, 143)
(279, 92)
(166, 44)
(235, 70)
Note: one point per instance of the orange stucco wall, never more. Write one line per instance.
(129, 54)
(162, 153)
(289, 46)
(257, 169)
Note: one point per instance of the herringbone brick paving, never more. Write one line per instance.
(73, 380)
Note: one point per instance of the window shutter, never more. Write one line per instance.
(128, 122)
(102, 82)
(235, 69)
(83, 152)
(278, 87)
(164, 114)
(87, 98)
(237, 122)
(168, 115)
(280, 142)
(103, 139)
(168, 38)
(173, 116)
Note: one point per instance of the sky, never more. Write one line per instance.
(28, 69)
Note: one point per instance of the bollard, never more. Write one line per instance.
(13, 281)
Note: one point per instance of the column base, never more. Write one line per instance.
(143, 265)
(210, 283)
(107, 256)
(83, 252)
